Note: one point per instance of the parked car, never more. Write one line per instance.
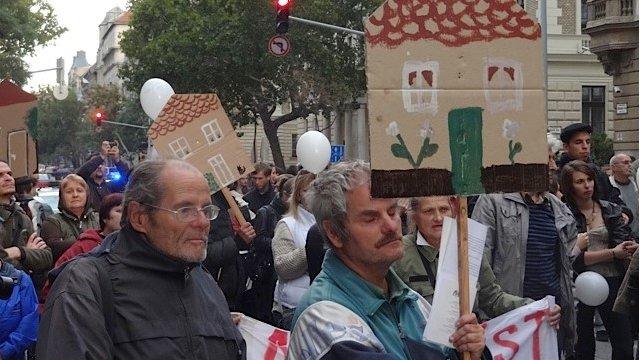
(49, 196)
(45, 180)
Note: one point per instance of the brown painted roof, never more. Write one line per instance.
(11, 93)
(451, 22)
(182, 109)
(123, 19)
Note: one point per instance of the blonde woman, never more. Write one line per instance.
(289, 255)
(61, 230)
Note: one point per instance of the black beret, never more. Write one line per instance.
(567, 132)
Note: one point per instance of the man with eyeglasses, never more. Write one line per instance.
(143, 293)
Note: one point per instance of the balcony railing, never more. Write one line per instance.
(626, 7)
(599, 9)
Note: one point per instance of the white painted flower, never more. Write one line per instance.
(426, 131)
(393, 129)
(510, 129)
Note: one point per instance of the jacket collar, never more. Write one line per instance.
(561, 213)
(6, 210)
(69, 215)
(367, 296)
(133, 249)
(426, 249)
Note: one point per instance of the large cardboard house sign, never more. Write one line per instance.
(456, 98)
(195, 128)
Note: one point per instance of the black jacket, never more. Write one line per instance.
(613, 221)
(257, 200)
(265, 223)
(99, 191)
(162, 308)
(315, 248)
(223, 260)
(605, 189)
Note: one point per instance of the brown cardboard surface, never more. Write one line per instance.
(456, 94)
(196, 129)
(17, 147)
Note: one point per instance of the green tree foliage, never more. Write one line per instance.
(118, 108)
(221, 46)
(24, 25)
(60, 129)
(601, 148)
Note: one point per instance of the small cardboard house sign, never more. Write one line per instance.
(196, 129)
(456, 98)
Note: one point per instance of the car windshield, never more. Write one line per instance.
(49, 198)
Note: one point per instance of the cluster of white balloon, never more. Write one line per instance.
(313, 147)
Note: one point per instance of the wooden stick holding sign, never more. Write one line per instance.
(233, 205)
(463, 261)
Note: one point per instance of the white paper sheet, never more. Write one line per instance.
(445, 308)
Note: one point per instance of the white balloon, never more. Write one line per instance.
(591, 288)
(314, 151)
(154, 95)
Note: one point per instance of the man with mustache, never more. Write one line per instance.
(143, 293)
(357, 307)
(418, 268)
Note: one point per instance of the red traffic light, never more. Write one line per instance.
(98, 116)
(282, 16)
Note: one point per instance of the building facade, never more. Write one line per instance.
(613, 27)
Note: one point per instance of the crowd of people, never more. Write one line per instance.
(155, 268)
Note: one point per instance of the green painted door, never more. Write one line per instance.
(465, 143)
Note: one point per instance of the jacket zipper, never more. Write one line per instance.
(187, 276)
(401, 332)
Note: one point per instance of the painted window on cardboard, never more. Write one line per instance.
(419, 86)
(502, 80)
(212, 131)
(221, 169)
(180, 147)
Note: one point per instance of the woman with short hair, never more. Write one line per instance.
(61, 230)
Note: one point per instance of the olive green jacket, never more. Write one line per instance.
(490, 298)
(61, 230)
(13, 221)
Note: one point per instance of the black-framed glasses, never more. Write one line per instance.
(189, 213)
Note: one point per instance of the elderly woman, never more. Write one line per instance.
(604, 240)
(289, 255)
(61, 230)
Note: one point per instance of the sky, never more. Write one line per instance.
(81, 18)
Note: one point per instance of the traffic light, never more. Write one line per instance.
(282, 16)
(98, 115)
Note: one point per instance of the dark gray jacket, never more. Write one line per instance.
(162, 308)
(507, 216)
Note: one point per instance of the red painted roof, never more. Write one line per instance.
(182, 109)
(11, 93)
(451, 22)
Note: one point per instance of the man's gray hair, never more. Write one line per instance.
(617, 157)
(146, 185)
(328, 194)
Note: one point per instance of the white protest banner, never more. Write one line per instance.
(523, 333)
(264, 342)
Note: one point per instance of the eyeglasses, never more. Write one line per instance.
(188, 214)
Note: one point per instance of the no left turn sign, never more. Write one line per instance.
(279, 45)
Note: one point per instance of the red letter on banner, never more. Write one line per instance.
(277, 341)
(506, 343)
(538, 317)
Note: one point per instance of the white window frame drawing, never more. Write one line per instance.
(180, 147)
(209, 130)
(502, 96)
(418, 98)
(221, 170)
